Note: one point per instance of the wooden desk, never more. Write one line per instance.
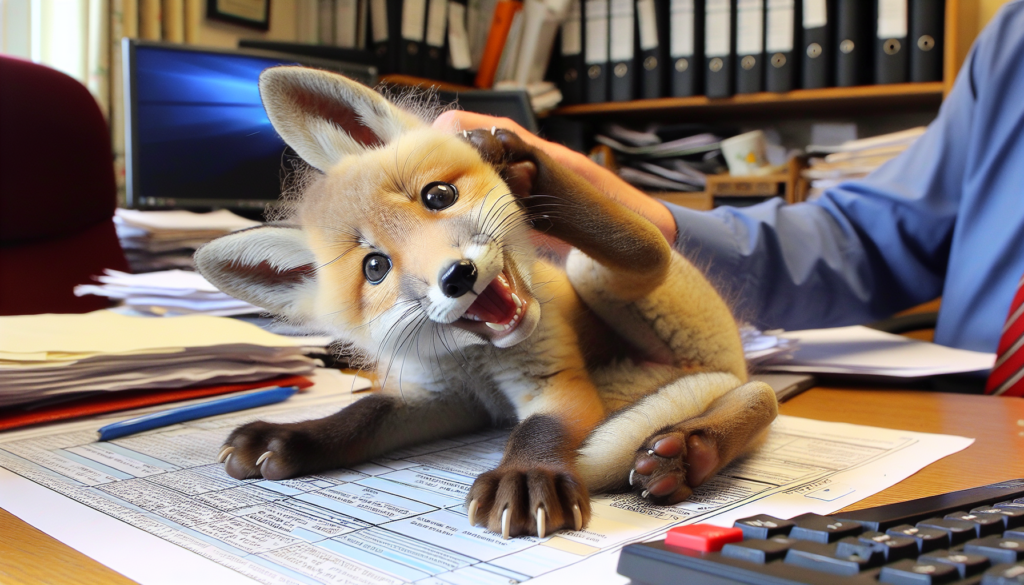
(29, 556)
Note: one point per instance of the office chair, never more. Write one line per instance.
(57, 192)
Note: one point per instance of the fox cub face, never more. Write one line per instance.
(405, 235)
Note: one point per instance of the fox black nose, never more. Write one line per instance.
(458, 279)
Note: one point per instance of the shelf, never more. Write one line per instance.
(834, 101)
(412, 81)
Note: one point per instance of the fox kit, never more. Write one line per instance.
(623, 369)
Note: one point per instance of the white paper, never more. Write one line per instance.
(749, 27)
(345, 23)
(137, 504)
(414, 13)
(892, 19)
(458, 39)
(621, 31)
(717, 28)
(681, 35)
(597, 32)
(815, 13)
(436, 15)
(648, 24)
(780, 26)
(379, 20)
(864, 351)
(221, 220)
(572, 30)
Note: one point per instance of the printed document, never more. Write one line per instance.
(158, 509)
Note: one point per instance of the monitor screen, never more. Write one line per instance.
(197, 134)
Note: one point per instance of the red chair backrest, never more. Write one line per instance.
(57, 192)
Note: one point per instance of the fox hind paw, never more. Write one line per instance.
(670, 464)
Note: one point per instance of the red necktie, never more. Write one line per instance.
(1007, 377)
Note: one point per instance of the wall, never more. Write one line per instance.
(283, 27)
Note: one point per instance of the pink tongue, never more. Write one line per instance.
(494, 305)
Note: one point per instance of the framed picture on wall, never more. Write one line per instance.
(250, 13)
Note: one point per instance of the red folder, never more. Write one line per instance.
(12, 418)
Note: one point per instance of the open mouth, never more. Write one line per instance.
(497, 307)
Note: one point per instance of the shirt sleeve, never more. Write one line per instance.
(863, 251)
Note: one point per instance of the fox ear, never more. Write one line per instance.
(270, 267)
(325, 116)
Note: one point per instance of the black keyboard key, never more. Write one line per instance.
(968, 564)
(759, 551)
(893, 548)
(1012, 517)
(959, 531)
(882, 518)
(984, 524)
(1014, 534)
(908, 572)
(1010, 504)
(823, 529)
(928, 539)
(763, 526)
(873, 553)
(1004, 575)
(822, 557)
(997, 549)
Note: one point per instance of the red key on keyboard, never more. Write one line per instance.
(702, 537)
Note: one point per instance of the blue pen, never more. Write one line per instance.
(194, 411)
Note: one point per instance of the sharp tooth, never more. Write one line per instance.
(495, 326)
(517, 301)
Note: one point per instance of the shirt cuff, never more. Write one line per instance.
(705, 239)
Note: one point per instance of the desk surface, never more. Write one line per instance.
(29, 556)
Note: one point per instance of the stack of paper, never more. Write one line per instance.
(157, 240)
(678, 162)
(761, 346)
(169, 293)
(862, 351)
(855, 158)
(43, 356)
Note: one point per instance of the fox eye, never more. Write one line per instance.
(375, 267)
(438, 195)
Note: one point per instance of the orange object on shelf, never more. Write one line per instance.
(504, 12)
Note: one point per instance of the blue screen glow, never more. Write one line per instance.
(200, 127)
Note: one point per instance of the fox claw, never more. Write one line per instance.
(225, 452)
(504, 524)
(541, 528)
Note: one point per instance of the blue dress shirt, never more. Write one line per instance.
(945, 218)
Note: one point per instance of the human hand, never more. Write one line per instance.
(605, 180)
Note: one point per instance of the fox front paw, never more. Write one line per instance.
(535, 501)
(271, 451)
(670, 464)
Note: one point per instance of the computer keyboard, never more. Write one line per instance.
(973, 536)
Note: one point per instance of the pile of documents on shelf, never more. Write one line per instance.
(50, 356)
(831, 165)
(161, 240)
(168, 293)
(668, 158)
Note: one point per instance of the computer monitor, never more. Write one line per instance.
(513, 104)
(197, 136)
